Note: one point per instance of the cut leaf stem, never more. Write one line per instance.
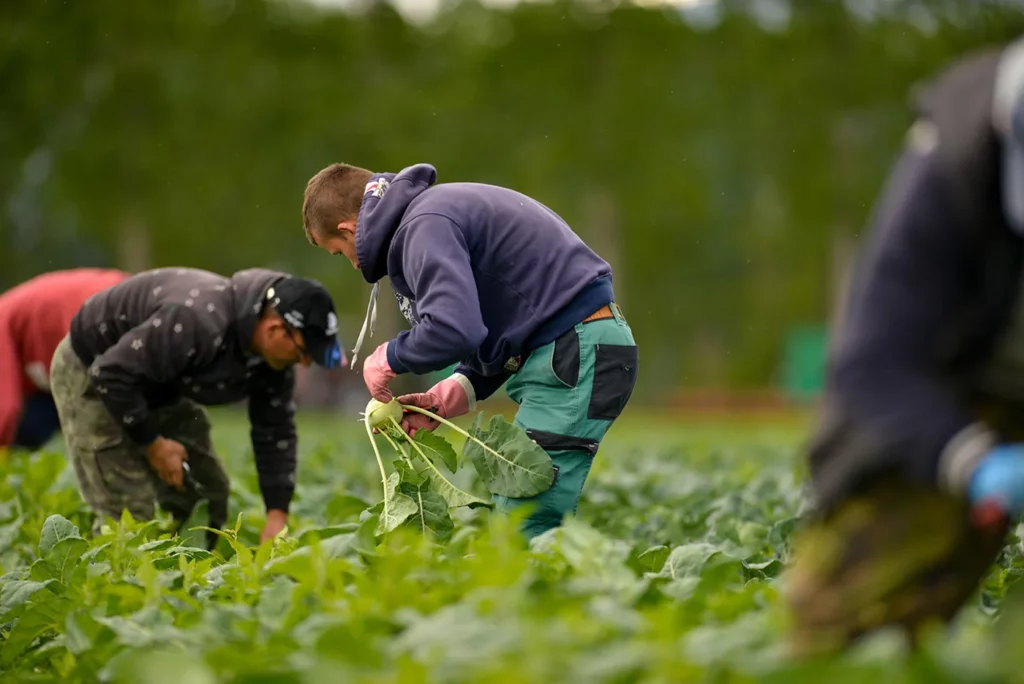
(380, 464)
(431, 465)
(405, 457)
(394, 444)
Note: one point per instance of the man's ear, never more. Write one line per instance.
(347, 228)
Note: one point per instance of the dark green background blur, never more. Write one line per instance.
(724, 157)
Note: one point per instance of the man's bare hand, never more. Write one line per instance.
(166, 457)
(277, 521)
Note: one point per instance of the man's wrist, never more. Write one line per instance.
(396, 366)
(467, 387)
(278, 498)
(145, 432)
(152, 447)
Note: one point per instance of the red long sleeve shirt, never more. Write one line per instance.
(34, 318)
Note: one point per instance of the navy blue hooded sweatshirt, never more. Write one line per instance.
(482, 273)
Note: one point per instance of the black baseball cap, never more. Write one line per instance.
(305, 305)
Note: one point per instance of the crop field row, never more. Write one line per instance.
(673, 571)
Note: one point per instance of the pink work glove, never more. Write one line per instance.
(453, 396)
(377, 374)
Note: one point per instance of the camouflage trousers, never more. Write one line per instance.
(895, 555)
(113, 472)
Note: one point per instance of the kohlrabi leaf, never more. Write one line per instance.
(65, 556)
(688, 559)
(437, 448)
(412, 472)
(653, 559)
(15, 593)
(424, 467)
(454, 496)
(510, 464)
(80, 632)
(431, 517)
(320, 533)
(365, 540)
(44, 616)
(54, 530)
(397, 506)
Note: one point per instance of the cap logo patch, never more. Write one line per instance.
(332, 323)
(332, 357)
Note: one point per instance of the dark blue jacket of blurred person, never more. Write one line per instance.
(926, 371)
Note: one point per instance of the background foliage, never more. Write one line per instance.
(724, 160)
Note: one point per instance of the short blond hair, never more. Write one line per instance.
(333, 195)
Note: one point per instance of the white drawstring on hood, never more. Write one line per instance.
(369, 322)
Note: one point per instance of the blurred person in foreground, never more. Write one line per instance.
(497, 283)
(34, 318)
(143, 356)
(918, 463)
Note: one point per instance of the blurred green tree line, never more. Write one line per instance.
(725, 169)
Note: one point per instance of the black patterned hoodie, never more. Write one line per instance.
(181, 332)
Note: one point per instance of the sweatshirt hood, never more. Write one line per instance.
(385, 200)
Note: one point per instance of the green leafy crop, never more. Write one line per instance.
(418, 495)
(673, 572)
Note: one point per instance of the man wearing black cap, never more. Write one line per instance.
(143, 356)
